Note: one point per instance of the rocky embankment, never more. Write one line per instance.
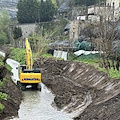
(78, 86)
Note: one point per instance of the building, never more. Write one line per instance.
(74, 31)
(115, 4)
(97, 13)
(109, 11)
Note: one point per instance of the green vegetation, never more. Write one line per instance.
(4, 24)
(89, 59)
(85, 2)
(2, 83)
(17, 32)
(9, 68)
(1, 107)
(46, 56)
(3, 38)
(18, 54)
(114, 73)
(57, 29)
(1, 58)
(31, 11)
(6, 65)
(3, 96)
(39, 42)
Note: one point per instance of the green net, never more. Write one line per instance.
(84, 45)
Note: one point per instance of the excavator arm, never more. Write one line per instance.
(29, 62)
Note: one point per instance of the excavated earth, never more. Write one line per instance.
(14, 95)
(72, 82)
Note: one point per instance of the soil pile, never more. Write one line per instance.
(77, 85)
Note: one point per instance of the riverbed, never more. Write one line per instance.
(36, 105)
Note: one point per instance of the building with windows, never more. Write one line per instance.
(115, 4)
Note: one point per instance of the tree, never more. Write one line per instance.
(86, 2)
(106, 37)
(17, 32)
(4, 21)
(4, 24)
(47, 10)
(3, 38)
(40, 41)
(27, 11)
(54, 2)
(31, 11)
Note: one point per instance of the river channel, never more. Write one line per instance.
(36, 105)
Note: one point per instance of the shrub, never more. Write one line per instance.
(1, 107)
(3, 96)
(18, 54)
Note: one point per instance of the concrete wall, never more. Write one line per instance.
(27, 29)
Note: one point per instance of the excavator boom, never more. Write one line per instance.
(28, 52)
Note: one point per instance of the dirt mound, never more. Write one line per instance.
(109, 110)
(14, 95)
(80, 86)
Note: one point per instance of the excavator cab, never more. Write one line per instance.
(22, 67)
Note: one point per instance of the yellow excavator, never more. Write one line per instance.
(27, 74)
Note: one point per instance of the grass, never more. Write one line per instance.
(114, 73)
(1, 60)
(45, 55)
(8, 67)
(2, 83)
(3, 96)
(89, 59)
(18, 54)
(1, 107)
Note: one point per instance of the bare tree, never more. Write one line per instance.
(106, 37)
(40, 42)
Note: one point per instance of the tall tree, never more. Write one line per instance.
(47, 10)
(4, 24)
(17, 32)
(30, 11)
(54, 2)
(27, 11)
(86, 2)
(4, 20)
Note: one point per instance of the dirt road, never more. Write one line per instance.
(81, 89)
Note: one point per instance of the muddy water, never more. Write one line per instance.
(36, 105)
